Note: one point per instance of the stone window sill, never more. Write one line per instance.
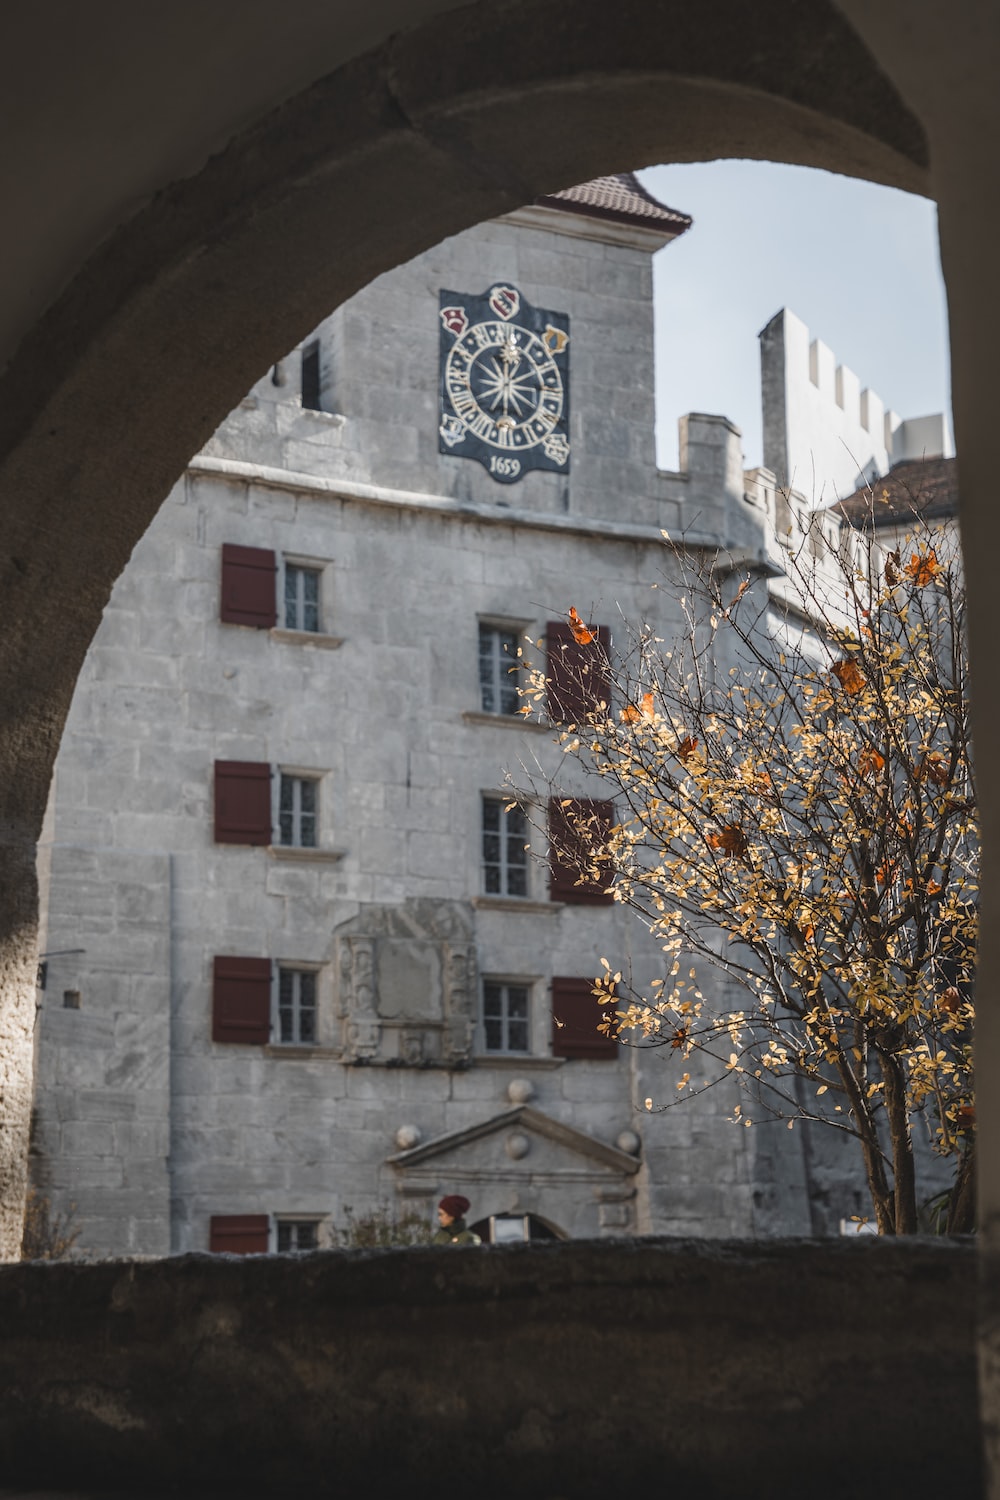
(305, 856)
(516, 1060)
(329, 418)
(507, 721)
(296, 1051)
(306, 638)
(515, 903)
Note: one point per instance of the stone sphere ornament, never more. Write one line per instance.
(518, 1145)
(408, 1136)
(628, 1141)
(520, 1091)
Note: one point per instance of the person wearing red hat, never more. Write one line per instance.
(451, 1217)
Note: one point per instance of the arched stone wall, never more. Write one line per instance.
(472, 111)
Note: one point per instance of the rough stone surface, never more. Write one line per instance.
(589, 1370)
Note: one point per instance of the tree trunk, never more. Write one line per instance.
(878, 1184)
(962, 1204)
(905, 1193)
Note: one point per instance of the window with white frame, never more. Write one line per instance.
(296, 1006)
(505, 848)
(302, 595)
(298, 811)
(506, 1015)
(498, 674)
(296, 1234)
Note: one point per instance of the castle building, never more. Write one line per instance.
(309, 955)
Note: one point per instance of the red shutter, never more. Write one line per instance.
(575, 1017)
(241, 1001)
(566, 844)
(238, 1234)
(248, 583)
(242, 802)
(578, 676)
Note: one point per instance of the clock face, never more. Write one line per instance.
(504, 383)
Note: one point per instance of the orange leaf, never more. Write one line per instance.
(965, 1116)
(870, 762)
(630, 714)
(731, 840)
(686, 748)
(933, 766)
(950, 1001)
(892, 564)
(582, 633)
(679, 1037)
(849, 675)
(922, 567)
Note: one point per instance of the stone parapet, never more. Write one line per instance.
(577, 1369)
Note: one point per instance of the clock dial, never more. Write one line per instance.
(504, 383)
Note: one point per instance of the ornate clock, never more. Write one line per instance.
(504, 383)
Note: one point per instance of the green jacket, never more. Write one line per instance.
(456, 1234)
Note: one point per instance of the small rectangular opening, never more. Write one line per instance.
(310, 377)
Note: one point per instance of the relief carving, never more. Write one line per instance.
(408, 984)
(459, 1002)
(362, 1032)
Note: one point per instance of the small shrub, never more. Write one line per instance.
(47, 1235)
(381, 1229)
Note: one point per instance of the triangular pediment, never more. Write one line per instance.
(499, 1142)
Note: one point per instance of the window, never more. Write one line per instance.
(311, 377)
(297, 1007)
(242, 802)
(576, 671)
(301, 597)
(498, 670)
(505, 1016)
(247, 592)
(241, 1000)
(576, 1016)
(238, 1234)
(297, 807)
(297, 1234)
(505, 854)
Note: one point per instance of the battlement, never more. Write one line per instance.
(824, 433)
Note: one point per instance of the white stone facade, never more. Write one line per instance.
(144, 1122)
(824, 435)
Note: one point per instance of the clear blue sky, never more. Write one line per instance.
(858, 263)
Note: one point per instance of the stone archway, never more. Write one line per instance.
(472, 111)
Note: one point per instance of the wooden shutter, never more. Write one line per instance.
(238, 1234)
(578, 676)
(242, 802)
(566, 844)
(241, 1001)
(575, 1017)
(248, 586)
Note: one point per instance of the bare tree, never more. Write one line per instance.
(794, 806)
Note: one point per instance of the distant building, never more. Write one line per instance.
(824, 434)
(298, 960)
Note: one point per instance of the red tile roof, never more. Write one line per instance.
(623, 200)
(927, 487)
